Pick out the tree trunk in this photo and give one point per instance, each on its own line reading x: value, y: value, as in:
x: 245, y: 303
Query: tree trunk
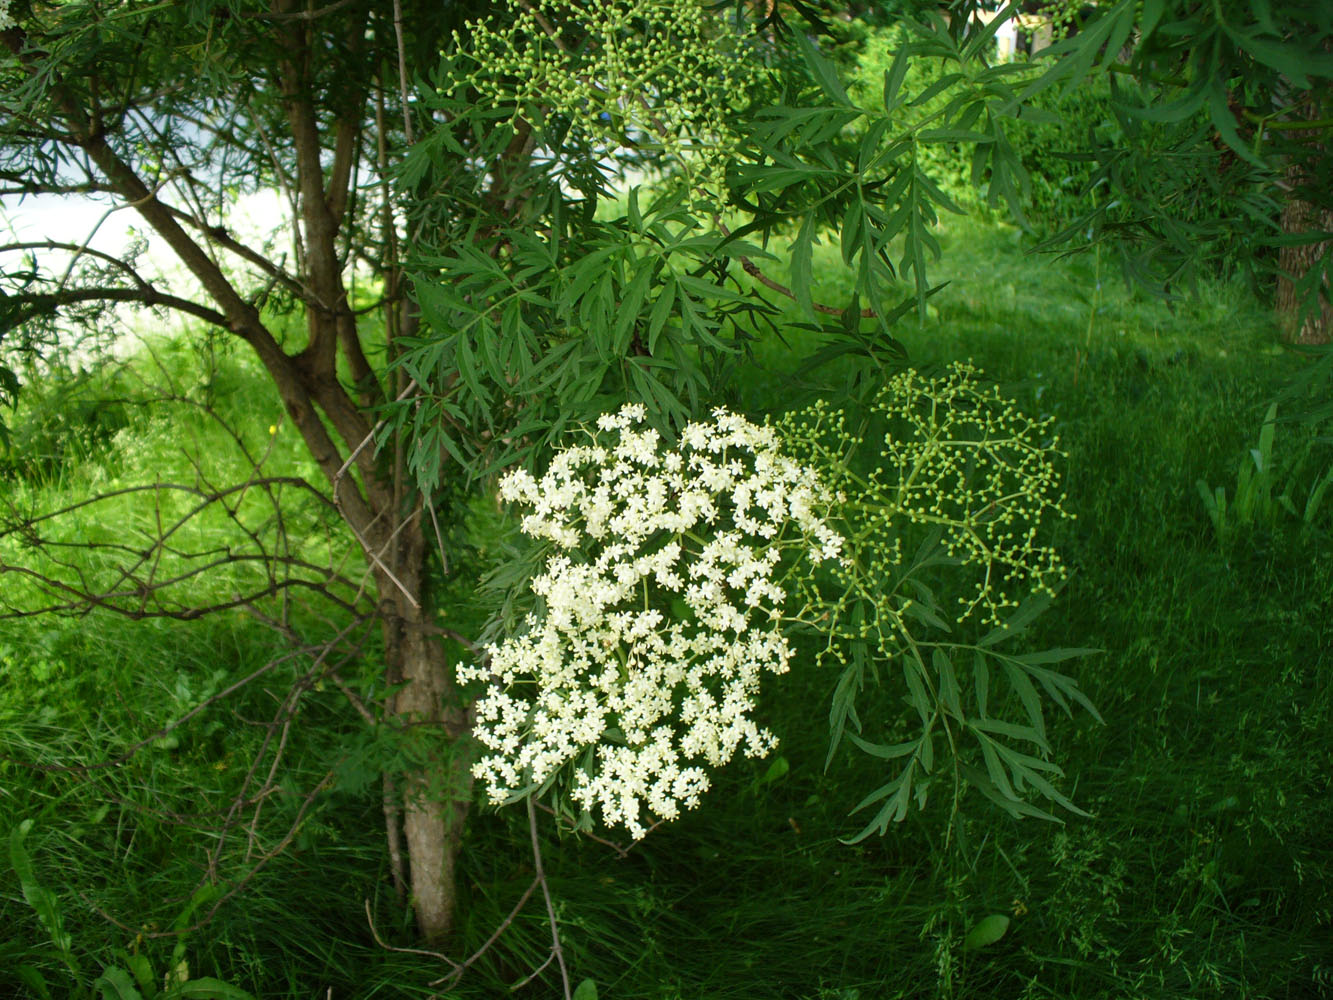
x: 1298, y: 325
x: 436, y: 793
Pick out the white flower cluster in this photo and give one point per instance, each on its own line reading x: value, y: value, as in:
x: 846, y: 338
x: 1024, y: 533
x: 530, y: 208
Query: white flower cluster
x: 661, y: 611
x: 6, y: 19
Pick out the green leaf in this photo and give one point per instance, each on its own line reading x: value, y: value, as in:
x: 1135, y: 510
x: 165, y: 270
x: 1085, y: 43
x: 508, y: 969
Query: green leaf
x: 776, y: 772
x: 209, y: 989
x: 707, y: 290
x: 940, y: 85
x: 1057, y: 655
x: 204, y: 895
x: 1316, y: 497
x: 635, y: 217
x: 994, y: 768
x: 842, y: 708
x: 802, y: 250
x: 1024, y: 616
x: 913, y: 669
x: 1028, y: 767
x: 1121, y: 26
x: 987, y: 931
x: 1292, y: 60
x: 629, y: 308
x: 1219, y: 109
x: 926, y: 612
x: 884, y: 751
x: 852, y: 244
x: 1152, y: 13
x: 586, y: 990
x: 1027, y: 694
x: 35, y: 981
x: 898, y: 793
x: 41, y: 899
x: 115, y: 984
x: 1016, y: 732
x: 893, y: 78
x: 1015, y: 808
x: 823, y: 71
x: 1190, y: 101
x: 661, y: 312
x: 143, y: 973
x: 949, y: 691
x: 1060, y: 686
x: 978, y: 40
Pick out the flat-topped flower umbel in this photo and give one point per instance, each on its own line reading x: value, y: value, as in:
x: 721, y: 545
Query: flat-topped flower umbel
x: 663, y: 605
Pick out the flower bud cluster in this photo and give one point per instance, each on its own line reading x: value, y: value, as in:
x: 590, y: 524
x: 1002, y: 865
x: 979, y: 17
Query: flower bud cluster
x: 665, y: 73
x: 662, y: 604
x: 956, y: 458
x: 966, y: 459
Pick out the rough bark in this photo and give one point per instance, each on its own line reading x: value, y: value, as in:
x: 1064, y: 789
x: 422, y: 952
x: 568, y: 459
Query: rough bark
x: 1298, y: 323
x: 437, y: 793
x: 1299, y: 326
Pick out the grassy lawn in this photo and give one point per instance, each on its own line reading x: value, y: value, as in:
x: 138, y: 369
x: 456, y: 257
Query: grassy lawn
x: 1206, y: 869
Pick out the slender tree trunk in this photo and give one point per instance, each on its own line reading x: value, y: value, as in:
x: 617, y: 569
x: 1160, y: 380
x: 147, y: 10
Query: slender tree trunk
x: 436, y: 794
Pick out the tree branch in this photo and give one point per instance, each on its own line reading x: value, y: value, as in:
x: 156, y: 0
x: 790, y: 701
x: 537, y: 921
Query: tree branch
x: 79, y: 249
x: 40, y: 303
x: 310, y: 14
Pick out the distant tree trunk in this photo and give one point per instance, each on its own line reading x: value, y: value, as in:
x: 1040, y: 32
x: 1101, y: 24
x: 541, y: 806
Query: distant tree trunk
x: 1299, y: 325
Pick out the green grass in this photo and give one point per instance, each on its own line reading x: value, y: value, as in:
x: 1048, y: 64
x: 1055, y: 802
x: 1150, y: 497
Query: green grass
x: 1205, y: 870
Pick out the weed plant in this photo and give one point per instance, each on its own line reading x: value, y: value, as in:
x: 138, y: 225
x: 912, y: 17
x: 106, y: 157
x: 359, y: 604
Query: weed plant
x: 1205, y: 870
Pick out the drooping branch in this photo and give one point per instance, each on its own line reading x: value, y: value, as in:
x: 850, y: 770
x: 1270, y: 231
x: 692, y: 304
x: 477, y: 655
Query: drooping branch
x: 34, y: 304
x: 36, y: 187
x: 79, y: 249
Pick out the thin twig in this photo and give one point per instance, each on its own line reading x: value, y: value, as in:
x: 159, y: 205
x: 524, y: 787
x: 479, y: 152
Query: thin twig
x: 621, y: 851
x: 754, y: 271
x: 342, y: 470
x: 364, y: 542
x: 533, y: 974
x: 239, y: 884
x: 402, y: 71
x: 495, y: 936
x: 556, y: 950
x: 406, y: 951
